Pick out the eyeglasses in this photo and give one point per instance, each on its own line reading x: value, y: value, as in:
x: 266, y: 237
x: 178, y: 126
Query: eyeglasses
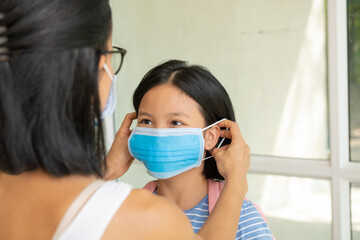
x: 117, y: 58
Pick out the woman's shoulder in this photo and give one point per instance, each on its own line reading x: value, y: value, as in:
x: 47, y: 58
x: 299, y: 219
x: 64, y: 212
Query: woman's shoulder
x: 144, y: 214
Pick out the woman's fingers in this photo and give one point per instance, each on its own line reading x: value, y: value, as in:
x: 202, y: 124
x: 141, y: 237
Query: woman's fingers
x: 119, y: 158
x: 225, y: 147
x: 216, y: 150
x: 233, y: 128
x: 232, y: 160
x: 232, y: 132
x: 225, y: 133
x: 128, y: 120
x: 126, y: 124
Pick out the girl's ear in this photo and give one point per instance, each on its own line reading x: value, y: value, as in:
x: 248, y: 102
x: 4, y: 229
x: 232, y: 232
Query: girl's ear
x: 211, y: 137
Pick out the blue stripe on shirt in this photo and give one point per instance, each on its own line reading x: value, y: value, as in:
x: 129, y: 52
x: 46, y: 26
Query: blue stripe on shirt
x: 251, y: 223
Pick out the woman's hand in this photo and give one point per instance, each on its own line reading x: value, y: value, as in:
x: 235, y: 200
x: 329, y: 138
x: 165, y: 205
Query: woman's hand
x: 232, y: 161
x: 119, y: 158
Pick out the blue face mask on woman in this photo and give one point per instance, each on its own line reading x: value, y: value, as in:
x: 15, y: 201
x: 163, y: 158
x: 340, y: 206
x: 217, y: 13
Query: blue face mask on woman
x: 111, y: 101
x: 170, y: 151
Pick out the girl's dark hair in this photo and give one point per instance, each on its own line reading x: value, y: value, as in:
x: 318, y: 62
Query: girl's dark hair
x: 49, y: 56
x: 199, y: 84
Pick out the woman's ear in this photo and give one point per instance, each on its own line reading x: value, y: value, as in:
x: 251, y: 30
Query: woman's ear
x: 103, y: 85
x: 102, y: 61
x: 211, y: 137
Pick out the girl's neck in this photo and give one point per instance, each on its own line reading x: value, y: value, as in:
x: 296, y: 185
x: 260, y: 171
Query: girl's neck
x: 186, y: 189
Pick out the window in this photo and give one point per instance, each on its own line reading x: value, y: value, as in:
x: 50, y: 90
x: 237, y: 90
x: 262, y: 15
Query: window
x: 354, y: 76
x: 303, y: 205
x: 355, y: 211
x: 353, y: 18
x: 292, y: 70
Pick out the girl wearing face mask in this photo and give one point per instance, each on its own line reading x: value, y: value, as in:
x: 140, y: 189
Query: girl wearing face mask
x: 181, y: 131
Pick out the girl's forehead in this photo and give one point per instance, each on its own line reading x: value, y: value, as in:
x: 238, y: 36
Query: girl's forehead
x: 170, y: 99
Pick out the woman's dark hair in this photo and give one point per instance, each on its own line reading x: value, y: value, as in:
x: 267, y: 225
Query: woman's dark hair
x: 49, y: 56
x: 199, y: 84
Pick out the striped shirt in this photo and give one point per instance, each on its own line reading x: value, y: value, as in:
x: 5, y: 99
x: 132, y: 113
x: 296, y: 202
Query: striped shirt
x: 251, y: 223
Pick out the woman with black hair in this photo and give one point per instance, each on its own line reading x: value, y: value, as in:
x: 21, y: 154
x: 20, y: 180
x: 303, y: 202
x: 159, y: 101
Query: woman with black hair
x: 180, y: 109
x: 56, y: 84
x: 55, y: 79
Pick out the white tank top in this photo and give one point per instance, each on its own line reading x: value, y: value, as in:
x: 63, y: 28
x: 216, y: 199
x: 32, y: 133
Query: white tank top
x: 92, y: 211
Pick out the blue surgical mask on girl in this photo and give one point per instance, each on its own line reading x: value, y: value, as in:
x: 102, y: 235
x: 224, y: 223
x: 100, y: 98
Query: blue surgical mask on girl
x: 111, y: 101
x: 170, y: 151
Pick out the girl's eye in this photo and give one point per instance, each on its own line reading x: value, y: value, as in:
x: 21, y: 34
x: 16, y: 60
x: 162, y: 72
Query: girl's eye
x: 145, y: 121
x: 176, y: 123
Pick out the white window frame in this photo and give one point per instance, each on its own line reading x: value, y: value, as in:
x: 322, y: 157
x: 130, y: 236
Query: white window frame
x: 339, y: 170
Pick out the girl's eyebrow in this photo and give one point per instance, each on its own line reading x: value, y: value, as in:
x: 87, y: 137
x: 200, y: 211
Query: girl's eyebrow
x: 144, y: 113
x: 175, y: 114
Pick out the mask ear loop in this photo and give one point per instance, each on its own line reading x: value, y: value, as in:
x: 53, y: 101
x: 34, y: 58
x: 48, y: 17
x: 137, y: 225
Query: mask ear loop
x: 215, y: 123
x: 222, y: 141
x: 107, y: 70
